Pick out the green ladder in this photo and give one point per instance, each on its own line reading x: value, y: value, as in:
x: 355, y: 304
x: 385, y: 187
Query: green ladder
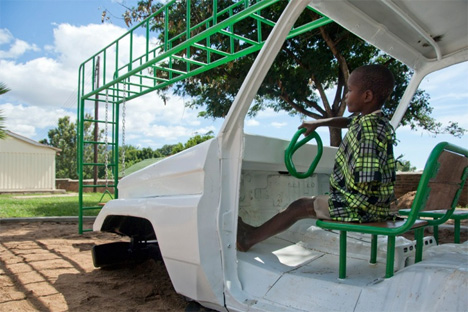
x: 142, y: 61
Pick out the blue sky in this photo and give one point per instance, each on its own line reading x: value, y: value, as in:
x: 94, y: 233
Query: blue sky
x: 42, y: 43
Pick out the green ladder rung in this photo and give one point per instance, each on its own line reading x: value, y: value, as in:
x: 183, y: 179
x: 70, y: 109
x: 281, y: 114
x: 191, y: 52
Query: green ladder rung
x: 99, y: 185
x: 96, y: 164
x: 99, y: 121
x: 99, y: 143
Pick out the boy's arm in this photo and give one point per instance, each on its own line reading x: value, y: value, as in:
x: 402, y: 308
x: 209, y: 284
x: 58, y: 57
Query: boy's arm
x: 335, y: 122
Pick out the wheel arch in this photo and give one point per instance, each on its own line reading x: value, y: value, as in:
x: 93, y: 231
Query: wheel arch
x: 134, y: 227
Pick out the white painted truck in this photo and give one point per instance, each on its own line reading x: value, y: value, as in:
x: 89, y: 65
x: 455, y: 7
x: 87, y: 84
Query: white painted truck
x: 190, y: 202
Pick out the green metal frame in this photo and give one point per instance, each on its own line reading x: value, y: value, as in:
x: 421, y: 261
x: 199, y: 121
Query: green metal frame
x: 422, y: 195
x: 158, y: 67
x: 456, y: 216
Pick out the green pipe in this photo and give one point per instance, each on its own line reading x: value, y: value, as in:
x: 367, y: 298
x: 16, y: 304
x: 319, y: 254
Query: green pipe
x: 239, y: 37
x: 166, y: 28
x: 215, y: 12
x: 80, y: 173
x: 373, y: 258
x: 390, y: 256
x: 187, y: 20
x: 147, y: 38
x: 239, y: 16
x: 342, y: 264
x: 231, y: 39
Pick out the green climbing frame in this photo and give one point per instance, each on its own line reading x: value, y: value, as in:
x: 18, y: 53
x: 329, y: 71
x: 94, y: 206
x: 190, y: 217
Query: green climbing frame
x: 142, y: 61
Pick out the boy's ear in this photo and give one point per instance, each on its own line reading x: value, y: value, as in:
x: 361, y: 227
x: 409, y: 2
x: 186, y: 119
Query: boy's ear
x: 368, y: 96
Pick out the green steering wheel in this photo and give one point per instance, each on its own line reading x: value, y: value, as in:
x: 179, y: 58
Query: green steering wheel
x: 294, y: 146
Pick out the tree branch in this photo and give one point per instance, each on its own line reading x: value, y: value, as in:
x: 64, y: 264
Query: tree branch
x: 300, y: 109
x: 323, y: 96
x: 343, y: 78
x: 315, y: 106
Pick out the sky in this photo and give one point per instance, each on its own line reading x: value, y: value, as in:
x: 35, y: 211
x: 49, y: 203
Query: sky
x: 43, y: 42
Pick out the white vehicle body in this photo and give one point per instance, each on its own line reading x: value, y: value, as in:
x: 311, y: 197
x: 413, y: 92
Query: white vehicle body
x: 192, y: 200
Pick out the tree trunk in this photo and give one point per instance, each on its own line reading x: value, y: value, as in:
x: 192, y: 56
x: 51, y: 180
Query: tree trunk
x: 335, y: 136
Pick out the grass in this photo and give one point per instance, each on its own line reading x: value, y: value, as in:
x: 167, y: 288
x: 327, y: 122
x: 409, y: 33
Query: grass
x: 142, y: 164
x: 35, y: 205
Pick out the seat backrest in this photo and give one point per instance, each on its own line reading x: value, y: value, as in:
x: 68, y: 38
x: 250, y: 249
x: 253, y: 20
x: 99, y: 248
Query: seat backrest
x: 442, y: 181
x: 445, y: 185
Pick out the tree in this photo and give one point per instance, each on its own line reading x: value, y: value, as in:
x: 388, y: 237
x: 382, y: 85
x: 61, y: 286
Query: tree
x: 404, y: 165
x: 307, y: 66
x: 64, y: 137
x: 3, y: 90
x: 197, y: 139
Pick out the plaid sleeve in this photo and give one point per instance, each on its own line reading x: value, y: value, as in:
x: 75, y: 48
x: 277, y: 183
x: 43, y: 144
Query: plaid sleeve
x: 372, y: 153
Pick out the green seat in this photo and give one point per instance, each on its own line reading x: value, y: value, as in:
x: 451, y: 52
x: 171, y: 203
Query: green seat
x: 457, y: 216
x: 440, y: 187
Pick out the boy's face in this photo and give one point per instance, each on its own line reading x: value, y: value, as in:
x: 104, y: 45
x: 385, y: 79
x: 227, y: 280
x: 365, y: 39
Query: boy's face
x: 358, y: 100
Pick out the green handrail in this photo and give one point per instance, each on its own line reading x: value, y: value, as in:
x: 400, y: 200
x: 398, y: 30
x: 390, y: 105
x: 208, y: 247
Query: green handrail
x: 294, y: 146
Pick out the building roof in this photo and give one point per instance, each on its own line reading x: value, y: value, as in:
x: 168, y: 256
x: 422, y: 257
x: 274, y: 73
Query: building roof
x: 29, y: 141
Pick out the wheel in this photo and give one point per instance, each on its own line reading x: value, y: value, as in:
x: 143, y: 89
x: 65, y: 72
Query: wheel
x: 110, y: 254
x: 118, y: 253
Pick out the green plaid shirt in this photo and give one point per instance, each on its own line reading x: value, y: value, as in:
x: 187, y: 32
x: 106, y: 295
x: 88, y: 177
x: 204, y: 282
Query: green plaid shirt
x: 361, y: 186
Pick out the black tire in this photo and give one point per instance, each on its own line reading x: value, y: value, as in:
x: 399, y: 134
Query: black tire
x: 118, y: 253
x: 111, y: 254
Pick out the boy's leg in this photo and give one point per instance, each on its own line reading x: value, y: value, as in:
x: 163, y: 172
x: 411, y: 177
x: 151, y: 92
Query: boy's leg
x: 247, y: 235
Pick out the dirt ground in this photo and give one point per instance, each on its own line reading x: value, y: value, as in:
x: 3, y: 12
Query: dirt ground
x: 47, y: 266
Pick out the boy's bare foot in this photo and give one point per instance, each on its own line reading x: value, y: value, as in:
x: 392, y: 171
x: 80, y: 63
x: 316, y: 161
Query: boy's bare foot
x: 244, y: 231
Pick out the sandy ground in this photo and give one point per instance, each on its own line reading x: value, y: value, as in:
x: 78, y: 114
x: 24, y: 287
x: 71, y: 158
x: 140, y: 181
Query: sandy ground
x: 47, y: 266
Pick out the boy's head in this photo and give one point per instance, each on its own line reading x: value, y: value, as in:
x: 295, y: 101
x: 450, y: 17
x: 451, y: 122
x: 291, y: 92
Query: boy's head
x: 375, y: 78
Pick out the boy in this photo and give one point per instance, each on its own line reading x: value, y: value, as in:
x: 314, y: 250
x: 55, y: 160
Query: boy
x: 361, y: 185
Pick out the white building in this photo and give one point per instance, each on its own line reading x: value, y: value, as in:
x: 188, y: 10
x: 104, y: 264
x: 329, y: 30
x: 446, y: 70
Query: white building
x: 26, y: 165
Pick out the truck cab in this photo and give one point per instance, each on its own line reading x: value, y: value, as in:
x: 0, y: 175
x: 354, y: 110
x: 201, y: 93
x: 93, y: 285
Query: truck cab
x: 190, y: 203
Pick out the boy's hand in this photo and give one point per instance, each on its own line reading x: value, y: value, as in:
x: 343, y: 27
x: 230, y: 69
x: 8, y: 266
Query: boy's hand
x: 310, y: 126
x: 335, y: 122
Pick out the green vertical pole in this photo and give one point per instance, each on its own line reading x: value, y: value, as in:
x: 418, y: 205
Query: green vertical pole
x: 390, y: 256
x: 259, y: 29
x: 215, y: 12
x: 208, y: 44
x: 373, y: 258
x: 457, y: 231
x: 166, y: 28
x: 436, y: 233
x: 231, y: 29
x: 147, y: 39
x: 116, y: 112
x: 342, y: 269
x: 104, y: 67
x: 93, y: 77
x: 419, y: 234
x: 170, y: 62
x: 80, y: 169
x: 187, y: 20
x: 130, y: 62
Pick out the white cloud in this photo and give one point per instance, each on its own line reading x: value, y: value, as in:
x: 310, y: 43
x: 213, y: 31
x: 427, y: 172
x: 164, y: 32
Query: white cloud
x: 279, y: 124
x: 16, y: 48
x: 5, y: 36
x: 252, y: 123
x: 27, y: 120
x: 45, y: 89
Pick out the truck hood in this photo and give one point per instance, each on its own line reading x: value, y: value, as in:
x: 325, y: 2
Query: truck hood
x: 180, y: 174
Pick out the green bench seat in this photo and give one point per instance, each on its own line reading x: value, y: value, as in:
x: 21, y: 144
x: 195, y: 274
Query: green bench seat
x: 440, y: 187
